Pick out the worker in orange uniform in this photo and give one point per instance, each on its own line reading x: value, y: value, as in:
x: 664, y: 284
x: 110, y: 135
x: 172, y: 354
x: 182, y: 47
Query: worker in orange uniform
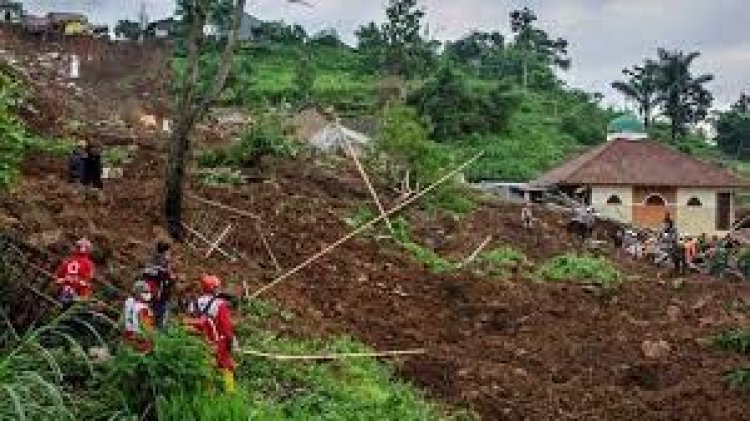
x: 213, y: 318
x: 139, y: 318
x: 76, y: 274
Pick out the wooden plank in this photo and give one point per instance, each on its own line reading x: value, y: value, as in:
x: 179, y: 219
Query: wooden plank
x: 366, y: 179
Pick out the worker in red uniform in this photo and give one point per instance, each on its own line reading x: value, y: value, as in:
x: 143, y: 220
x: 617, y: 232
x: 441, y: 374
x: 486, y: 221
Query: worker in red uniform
x: 139, y: 318
x: 76, y: 274
x: 213, y: 318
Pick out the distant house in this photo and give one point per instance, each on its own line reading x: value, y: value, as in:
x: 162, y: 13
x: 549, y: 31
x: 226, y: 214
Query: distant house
x: 11, y: 12
x: 68, y: 23
x: 37, y: 25
x: 639, y: 181
x: 100, y: 31
x: 247, y: 32
x: 162, y: 29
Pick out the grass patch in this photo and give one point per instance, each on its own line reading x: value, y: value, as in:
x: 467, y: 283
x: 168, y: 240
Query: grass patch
x: 584, y: 269
x: 502, y: 261
x: 737, y: 340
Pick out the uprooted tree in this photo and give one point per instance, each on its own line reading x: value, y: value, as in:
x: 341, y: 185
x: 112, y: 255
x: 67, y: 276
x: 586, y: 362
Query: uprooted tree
x: 192, y: 102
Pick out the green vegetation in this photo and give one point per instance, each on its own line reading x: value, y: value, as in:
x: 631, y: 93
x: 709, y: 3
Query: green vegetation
x: 116, y: 156
x: 736, y: 340
x: 15, y: 139
x: 221, y: 177
x: 585, y: 269
x: 501, y: 261
x: 265, y: 138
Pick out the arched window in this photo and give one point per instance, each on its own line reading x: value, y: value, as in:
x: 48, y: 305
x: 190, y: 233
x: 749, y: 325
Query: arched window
x: 614, y: 200
x: 655, y: 200
x: 694, y: 201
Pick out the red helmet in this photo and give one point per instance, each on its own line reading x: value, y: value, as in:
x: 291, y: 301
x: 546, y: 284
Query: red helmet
x: 83, y: 246
x: 210, y: 283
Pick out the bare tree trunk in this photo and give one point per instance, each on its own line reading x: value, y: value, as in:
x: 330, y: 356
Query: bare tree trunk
x: 190, y: 110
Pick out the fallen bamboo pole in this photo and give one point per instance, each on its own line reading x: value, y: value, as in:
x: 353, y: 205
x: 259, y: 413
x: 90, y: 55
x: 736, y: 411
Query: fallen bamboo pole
x: 208, y: 242
x: 328, y: 357
x: 223, y: 206
x: 364, y: 227
x: 219, y: 240
x: 366, y: 179
x: 267, y: 246
x: 476, y: 252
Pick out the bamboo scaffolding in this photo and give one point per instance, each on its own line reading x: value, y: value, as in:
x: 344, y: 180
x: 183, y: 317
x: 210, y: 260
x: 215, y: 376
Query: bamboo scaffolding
x: 207, y: 241
x: 219, y: 240
x: 364, y: 227
x: 476, y: 251
x: 223, y: 206
x: 267, y: 246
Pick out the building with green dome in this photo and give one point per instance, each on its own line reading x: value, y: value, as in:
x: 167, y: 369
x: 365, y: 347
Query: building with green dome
x: 640, y: 182
x: 626, y: 126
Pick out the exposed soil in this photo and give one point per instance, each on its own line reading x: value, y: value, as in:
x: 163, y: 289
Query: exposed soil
x: 511, y: 349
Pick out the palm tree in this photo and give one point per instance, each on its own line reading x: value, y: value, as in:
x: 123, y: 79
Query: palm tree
x: 683, y: 96
x: 641, y: 88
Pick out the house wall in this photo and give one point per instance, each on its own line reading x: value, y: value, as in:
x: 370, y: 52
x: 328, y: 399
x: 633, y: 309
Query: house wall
x: 695, y: 220
x: 623, y: 212
x: 648, y: 216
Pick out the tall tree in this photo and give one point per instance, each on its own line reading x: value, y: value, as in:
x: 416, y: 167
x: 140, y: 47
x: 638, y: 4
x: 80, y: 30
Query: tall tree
x: 127, y: 29
x: 397, y: 46
x: 535, y: 44
x: 191, y: 104
x: 477, y: 49
x: 733, y: 129
x: 641, y: 87
x: 682, y: 95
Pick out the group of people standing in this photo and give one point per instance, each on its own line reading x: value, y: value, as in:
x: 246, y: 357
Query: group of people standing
x: 665, y: 246
x: 146, y: 310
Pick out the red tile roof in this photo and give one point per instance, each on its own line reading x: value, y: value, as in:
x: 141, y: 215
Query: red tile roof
x: 639, y: 162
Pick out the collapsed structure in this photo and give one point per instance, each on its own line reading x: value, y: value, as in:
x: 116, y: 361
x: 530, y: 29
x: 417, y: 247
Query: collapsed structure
x: 639, y: 181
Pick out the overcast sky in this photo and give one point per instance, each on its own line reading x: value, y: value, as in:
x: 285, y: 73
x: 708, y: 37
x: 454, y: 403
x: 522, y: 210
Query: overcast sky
x: 605, y: 35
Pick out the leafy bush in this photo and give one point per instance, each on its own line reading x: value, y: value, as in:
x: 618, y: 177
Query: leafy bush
x: 739, y: 378
x: 361, y: 215
x: 571, y: 267
x: 179, y: 364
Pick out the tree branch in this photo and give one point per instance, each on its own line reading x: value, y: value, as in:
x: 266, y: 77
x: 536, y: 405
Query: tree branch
x: 226, y: 63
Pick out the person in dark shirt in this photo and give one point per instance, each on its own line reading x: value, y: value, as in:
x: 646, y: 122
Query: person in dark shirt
x: 77, y: 164
x: 93, y: 167
x: 160, y: 276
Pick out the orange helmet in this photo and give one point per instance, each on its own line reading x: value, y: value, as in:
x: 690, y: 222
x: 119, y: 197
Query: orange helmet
x: 210, y: 283
x: 83, y: 246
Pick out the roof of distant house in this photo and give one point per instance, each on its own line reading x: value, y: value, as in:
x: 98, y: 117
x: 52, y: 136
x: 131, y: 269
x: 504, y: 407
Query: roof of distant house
x: 63, y: 17
x: 639, y: 162
x: 32, y: 23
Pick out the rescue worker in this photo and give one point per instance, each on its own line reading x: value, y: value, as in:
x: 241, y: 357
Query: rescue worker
x: 76, y: 163
x: 691, y: 252
x: 213, y: 318
x: 527, y: 218
x: 76, y: 274
x: 161, y: 278
x: 139, y: 319
x: 578, y: 221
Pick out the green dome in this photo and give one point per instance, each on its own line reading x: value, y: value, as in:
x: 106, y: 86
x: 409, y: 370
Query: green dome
x: 626, y: 123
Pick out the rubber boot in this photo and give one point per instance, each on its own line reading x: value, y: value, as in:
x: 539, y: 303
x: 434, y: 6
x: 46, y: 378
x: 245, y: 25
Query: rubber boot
x: 229, y: 383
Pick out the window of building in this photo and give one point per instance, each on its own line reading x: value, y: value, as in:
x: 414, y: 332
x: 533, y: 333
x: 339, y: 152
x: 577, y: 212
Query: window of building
x: 655, y: 200
x: 694, y: 201
x: 614, y: 200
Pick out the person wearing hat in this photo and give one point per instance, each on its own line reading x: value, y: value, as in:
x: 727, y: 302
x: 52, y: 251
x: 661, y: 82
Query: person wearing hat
x: 212, y: 317
x: 75, y: 274
x: 138, y: 318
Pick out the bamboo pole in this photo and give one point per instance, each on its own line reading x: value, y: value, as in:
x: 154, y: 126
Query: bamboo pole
x: 328, y: 357
x: 366, y: 179
x: 218, y: 241
x: 204, y: 239
x: 364, y: 227
x: 476, y: 251
x: 223, y: 206
x: 267, y: 246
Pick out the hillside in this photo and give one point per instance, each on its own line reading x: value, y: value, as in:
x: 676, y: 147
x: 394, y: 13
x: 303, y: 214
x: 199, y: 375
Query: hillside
x: 507, y: 346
